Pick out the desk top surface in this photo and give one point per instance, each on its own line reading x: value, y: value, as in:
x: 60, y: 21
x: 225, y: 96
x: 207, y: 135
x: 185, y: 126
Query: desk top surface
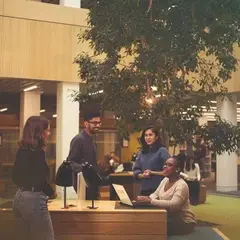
x: 103, y: 206
x: 82, y: 206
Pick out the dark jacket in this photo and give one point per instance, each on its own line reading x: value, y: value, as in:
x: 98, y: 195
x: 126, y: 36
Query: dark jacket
x: 82, y: 149
x: 31, y: 170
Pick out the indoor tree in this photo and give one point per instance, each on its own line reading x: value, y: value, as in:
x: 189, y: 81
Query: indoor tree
x: 161, y: 61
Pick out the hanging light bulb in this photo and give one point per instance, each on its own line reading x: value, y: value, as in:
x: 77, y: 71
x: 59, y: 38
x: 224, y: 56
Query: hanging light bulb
x: 149, y: 101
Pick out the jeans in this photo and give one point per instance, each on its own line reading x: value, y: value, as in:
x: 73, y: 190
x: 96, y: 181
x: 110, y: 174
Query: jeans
x: 31, y: 208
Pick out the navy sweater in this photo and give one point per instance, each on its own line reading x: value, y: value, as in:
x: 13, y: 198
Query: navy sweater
x: 152, y: 160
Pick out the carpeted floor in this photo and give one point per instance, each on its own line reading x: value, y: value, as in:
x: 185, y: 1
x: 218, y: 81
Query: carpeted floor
x: 200, y: 233
x: 222, y: 211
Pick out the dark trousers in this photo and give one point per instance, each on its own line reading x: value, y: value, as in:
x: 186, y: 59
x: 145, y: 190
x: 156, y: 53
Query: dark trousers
x: 147, y: 192
x: 194, y: 190
x: 176, y: 226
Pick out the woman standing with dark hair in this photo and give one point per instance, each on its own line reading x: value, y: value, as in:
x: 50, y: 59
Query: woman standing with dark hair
x: 149, y: 164
x: 30, y: 174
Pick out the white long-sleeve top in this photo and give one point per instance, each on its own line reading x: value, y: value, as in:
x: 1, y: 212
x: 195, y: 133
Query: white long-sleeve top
x: 175, y: 199
x: 193, y: 174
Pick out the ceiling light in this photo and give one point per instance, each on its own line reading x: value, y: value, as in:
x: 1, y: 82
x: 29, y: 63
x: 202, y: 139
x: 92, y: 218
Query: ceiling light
x: 30, y: 88
x: 238, y: 103
x: 208, y: 114
x: 3, y: 110
x: 54, y: 115
x: 42, y: 110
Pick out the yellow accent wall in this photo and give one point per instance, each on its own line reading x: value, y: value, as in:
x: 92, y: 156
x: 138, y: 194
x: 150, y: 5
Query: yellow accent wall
x: 126, y: 153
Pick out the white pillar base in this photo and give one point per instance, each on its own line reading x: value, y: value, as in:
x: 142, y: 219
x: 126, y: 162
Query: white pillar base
x: 227, y: 172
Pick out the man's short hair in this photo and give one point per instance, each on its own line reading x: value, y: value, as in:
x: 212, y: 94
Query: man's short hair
x: 90, y: 115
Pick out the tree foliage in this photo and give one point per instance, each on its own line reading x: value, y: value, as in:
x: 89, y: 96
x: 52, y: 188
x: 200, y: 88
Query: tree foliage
x: 164, y: 60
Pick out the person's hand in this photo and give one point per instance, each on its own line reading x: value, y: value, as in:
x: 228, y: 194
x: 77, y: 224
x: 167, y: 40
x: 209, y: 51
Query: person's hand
x: 146, y: 174
x: 144, y: 199
x: 53, y: 196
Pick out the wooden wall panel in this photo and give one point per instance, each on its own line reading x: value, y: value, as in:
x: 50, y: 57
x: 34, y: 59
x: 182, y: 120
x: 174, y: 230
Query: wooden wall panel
x: 38, y: 50
x: 1, y: 7
x: 34, y: 47
x: 45, y: 12
x: 119, y: 217
x: 8, y: 120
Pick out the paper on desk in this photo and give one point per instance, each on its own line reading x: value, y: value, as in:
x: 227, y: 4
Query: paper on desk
x: 120, y: 168
x: 81, y: 187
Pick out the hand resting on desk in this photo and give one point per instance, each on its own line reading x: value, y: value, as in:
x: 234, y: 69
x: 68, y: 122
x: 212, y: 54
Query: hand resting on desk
x: 144, y: 199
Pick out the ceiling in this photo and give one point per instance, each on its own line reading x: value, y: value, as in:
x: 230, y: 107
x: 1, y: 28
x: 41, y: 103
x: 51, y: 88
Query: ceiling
x: 18, y: 85
x: 10, y: 94
x: 10, y: 90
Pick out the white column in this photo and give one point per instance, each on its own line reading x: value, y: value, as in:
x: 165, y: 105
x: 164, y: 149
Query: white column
x: 29, y: 106
x: 71, y: 3
x: 227, y: 164
x: 207, y: 167
x: 67, y: 126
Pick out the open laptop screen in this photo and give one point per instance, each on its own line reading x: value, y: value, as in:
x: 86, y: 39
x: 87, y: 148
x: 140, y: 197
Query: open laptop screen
x: 122, y: 194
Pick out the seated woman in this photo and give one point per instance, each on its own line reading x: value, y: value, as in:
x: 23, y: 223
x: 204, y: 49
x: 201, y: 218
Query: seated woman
x: 191, y: 174
x: 173, y: 195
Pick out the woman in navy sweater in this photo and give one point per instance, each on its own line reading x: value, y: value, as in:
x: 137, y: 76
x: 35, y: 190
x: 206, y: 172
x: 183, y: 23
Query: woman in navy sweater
x: 149, y: 164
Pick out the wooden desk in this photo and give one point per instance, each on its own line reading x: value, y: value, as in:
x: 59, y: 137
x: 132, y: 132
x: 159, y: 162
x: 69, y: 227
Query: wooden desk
x: 103, y: 223
x: 131, y: 186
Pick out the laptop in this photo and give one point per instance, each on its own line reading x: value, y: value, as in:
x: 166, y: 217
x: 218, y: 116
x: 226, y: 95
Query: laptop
x: 124, y: 198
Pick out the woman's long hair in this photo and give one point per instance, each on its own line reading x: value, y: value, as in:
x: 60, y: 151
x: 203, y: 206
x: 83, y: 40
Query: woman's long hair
x: 32, y: 133
x: 188, y: 167
x: 155, y: 146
